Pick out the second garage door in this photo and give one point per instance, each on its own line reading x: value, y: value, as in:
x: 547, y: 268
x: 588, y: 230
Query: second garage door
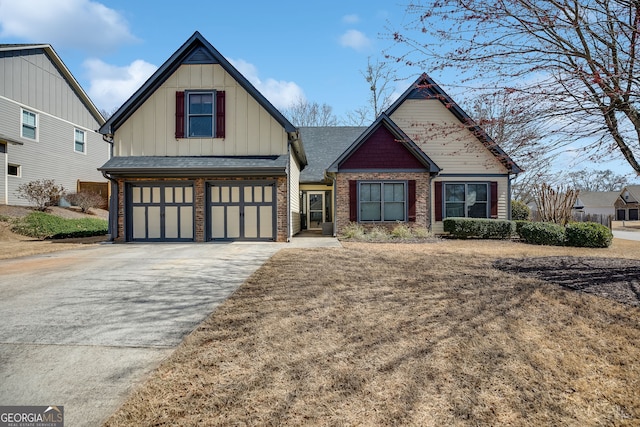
x: 241, y: 210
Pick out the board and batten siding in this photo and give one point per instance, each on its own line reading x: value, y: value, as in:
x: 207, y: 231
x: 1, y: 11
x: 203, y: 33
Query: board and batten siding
x: 29, y: 77
x: 52, y: 155
x: 250, y: 129
x: 435, y: 129
x: 294, y: 194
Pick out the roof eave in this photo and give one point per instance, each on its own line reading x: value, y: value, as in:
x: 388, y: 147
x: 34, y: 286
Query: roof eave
x: 193, y: 172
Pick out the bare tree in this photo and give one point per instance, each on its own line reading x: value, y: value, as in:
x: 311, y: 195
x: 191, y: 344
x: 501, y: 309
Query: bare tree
x: 597, y: 180
x: 304, y: 113
x: 513, y: 126
x: 555, y: 204
x: 578, y: 59
x: 380, y: 77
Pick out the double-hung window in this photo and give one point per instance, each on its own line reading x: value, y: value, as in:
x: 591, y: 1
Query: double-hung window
x: 382, y: 201
x: 469, y: 200
x: 80, y: 140
x: 29, y: 124
x: 200, y: 114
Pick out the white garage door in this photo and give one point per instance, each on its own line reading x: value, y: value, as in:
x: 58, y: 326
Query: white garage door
x: 241, y: 211
x: 160, y: 212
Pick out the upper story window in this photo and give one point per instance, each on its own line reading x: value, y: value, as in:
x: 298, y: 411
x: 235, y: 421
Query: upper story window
x: 382, y: 201
x: 13, y: 170
x: 80, y: 139
x: 469, y: 200
x: 29, y: 124
x: 200, y: 114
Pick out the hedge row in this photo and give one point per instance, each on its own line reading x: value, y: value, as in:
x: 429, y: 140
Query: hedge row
x: 578, y: 234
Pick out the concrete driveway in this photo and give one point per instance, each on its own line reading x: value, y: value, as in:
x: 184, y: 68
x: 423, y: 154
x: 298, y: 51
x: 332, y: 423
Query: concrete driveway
x: 80, y: 328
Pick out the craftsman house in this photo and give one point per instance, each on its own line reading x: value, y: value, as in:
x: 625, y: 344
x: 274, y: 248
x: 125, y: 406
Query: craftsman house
x: 200, y: 155
x: 421, y: 161
x: 47, y: 123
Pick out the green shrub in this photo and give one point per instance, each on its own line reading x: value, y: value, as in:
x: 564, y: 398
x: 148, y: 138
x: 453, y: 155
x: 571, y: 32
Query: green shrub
x: 519, y: 211
x: 543, y: 233
x: 519, y: 225
x: 45, y: 226
x: 588, y: 235
x: 479, y: 227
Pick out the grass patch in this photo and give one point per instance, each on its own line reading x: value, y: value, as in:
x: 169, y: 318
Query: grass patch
x: 395, y: 334
x: 45, y: 226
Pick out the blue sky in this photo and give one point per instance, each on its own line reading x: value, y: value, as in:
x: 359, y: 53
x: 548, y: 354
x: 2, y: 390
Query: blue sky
x: 287, y: 49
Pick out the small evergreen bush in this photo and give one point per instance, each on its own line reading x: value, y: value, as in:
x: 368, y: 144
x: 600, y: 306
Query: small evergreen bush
x: 543, y: 233
x: 519, y: 211
x: 479, y: 227
x: 588, y: 235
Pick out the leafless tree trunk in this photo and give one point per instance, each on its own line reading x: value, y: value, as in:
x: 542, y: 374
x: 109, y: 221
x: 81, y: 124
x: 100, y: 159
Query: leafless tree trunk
x: 555, y: 205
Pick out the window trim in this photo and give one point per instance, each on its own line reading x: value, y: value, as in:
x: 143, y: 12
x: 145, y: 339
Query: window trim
x: 18, y: 170
x: 188, y: 115
x: 466, y: 208
x: 84, y: 141
x: 405, y: 200
x: 36, y: 119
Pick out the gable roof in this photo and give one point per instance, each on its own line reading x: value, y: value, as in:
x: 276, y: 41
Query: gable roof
x: 634, y: 191
x: 426, y: 88
x: 71, y: 81
x: 384, y: 120
x: 196, y: 50
x: 597, y: 198
x: 323, y: 145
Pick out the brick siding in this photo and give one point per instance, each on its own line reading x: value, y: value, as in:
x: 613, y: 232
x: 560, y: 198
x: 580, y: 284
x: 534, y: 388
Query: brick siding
x: 423, y: 202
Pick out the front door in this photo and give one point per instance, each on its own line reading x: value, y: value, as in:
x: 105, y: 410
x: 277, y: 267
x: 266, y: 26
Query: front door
x: 315, y: 210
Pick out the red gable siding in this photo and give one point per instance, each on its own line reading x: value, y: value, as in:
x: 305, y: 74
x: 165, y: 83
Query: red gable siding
x: 381, y: 151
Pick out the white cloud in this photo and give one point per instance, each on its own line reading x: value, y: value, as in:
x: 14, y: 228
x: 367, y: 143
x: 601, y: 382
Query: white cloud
x: 355, y: 40
x: 280, y: 93
x: 110, y: 86
x: 80, y: 24
x: 351, y: 19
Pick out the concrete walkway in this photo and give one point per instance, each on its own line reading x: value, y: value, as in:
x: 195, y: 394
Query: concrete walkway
x: 81, y: 328
x: 626, y: 235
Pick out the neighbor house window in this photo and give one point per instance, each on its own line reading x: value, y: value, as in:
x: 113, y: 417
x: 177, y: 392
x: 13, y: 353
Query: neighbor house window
x: 466, y: 200
x: 80, y: 140
x: 29, y: 124
x: 382, y: 201
x: 13, y: 170
x: 200, y: 114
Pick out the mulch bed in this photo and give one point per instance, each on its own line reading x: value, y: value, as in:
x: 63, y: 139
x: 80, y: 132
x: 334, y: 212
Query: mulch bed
x: 614, y: 278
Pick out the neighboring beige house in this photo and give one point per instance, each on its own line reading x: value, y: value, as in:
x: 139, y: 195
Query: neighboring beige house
x: 200, y: 155
x: 627, y: 203
x: 48, y: 124
x: 596, y: 203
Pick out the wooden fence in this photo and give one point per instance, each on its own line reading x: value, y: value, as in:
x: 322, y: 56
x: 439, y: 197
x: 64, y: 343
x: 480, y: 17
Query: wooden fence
x: 101, y: 188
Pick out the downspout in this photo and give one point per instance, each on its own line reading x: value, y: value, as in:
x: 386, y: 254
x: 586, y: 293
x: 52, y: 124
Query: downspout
x: 288, y: 175
x: 113, y: 196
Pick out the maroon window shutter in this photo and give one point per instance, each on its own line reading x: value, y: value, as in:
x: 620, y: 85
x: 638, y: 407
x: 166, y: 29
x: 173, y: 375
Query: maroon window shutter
x: 179, y: 114
x: 412, y: 200
x: 220, y: 112
x: 494, y: 199
x: 353, y: 200
x: 438, y: 207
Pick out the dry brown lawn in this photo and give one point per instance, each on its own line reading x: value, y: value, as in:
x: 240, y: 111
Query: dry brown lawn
x: 403, y: 334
